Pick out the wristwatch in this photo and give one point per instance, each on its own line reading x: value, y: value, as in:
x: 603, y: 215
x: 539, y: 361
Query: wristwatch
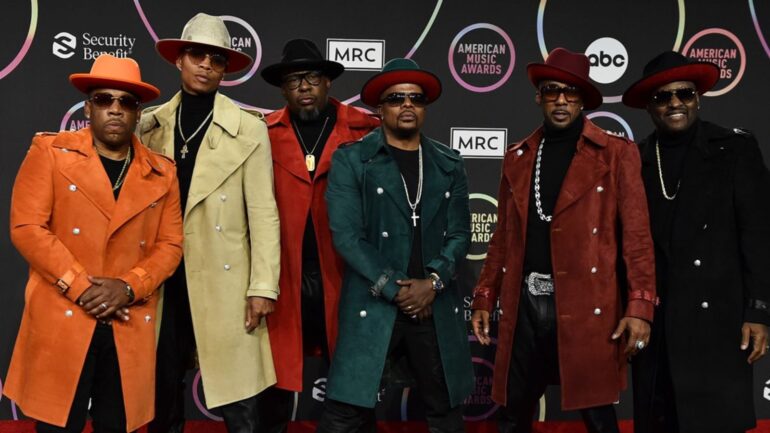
x: 130, y: 294
x: 438, y: 285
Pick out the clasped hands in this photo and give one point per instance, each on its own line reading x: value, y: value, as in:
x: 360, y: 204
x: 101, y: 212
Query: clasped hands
x: 105, y: 299
x: 415, y: 297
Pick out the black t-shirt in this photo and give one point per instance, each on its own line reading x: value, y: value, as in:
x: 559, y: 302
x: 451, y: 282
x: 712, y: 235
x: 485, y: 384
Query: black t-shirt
x: 409, y: 165
x: 559, y: 148
x: 114, y: 169
x: 310, y: 130
x: 195, y: 109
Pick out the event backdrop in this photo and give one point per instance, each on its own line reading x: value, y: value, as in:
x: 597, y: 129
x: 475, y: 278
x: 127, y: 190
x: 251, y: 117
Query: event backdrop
x: 479, y: 49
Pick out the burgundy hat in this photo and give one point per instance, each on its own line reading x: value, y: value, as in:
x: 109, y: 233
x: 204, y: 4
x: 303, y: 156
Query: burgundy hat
x: 669, y: 67
x: 399, y: 71
x: 567, y: 67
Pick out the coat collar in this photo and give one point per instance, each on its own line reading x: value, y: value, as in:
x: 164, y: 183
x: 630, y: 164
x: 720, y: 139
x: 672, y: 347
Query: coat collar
x: 705, y: 132
x: 226, y: 116
x: 591, y: 134
x: 374, y: 143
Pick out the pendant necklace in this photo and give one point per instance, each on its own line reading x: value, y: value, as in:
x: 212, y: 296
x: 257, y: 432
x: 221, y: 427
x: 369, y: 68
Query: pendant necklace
x: 309, y: 156
x: 538, y: 204
x: 660, y: 175
x: 185, y: 150
x: 413, y: 206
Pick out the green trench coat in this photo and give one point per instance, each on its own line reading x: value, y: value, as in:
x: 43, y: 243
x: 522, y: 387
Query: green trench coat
x: 372, y: 229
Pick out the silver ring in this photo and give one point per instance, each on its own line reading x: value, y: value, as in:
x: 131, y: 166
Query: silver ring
x: 408, y: 307
x: 414, y: 316
x: 639, y: 344
x: 103, y: 305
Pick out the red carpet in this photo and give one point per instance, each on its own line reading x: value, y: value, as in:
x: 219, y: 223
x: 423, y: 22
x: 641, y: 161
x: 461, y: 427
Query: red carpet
x: 383, y: 427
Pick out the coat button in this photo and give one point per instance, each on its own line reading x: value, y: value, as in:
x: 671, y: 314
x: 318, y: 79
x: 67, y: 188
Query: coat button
x: 380, y: 190
x: 153, y: 204
x: 457, y: 310
x: 696, y: 262
x: 362, y: 313
x: 594, y: 231
x: 501, y: 311
x: 218, y: 228
x: 447, y: 194
x: 504, y: 269
x: 65, y: 150
x: 68, y: 313
x: 385, y: 234
x: 599, y: 188
x: 73, y: 187
x: 705, y: 226
x: 223, y: 197
x: 227, y: 267
x: 593, y: 270
x: 76, y: 231
x: 142, y: 243
x: 597, y: 311
x: 147, y: 318
x: 704, y: 305
x: 519, y: 152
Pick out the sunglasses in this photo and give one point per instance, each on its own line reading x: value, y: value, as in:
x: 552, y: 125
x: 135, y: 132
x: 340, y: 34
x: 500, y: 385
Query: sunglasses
x: 397, y: 99
x: 664, y: 97
x: 197, y: 55
x: 550, y: 93
x: 105, y: 100
x: 293, y: 81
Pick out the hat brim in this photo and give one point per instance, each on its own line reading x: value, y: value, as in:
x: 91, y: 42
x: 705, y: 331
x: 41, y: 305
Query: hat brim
x: 274, y: 74
x: 169, y: 49
x: 537, y: 72
x: 87, y: 82
x: 704, y: 75
x: 372, y: 90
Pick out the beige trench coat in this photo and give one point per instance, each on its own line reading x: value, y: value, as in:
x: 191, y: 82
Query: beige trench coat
x: 232, y: 244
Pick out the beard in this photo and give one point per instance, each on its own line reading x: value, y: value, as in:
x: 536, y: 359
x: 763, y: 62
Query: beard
x: 310, y: 114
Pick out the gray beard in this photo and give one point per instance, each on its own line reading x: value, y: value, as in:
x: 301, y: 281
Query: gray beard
x: 307, y: 115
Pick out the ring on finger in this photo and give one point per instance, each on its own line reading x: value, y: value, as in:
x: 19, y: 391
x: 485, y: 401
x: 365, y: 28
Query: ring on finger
x: 103, y: 306
x: 640, y: 344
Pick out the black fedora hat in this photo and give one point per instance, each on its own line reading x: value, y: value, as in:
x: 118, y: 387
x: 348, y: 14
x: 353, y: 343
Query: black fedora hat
x: 666, y: 68
x: 301, y: 54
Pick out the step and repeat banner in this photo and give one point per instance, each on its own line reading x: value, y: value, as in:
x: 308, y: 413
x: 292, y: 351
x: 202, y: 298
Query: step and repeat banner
x: 479, y: 49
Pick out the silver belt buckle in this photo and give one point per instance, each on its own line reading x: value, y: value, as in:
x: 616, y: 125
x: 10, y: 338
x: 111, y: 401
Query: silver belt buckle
x: 540, y: 284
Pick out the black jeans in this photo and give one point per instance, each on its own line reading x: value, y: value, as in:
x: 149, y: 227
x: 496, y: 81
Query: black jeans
x: 176, y: 345
x: 100, y: 382
x: 420, y: 345
x: 535, y: 364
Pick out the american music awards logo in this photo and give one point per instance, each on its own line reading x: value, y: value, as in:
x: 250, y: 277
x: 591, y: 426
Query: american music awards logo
x: 481, y: 57
x: 483, y: 224
x: 722, y: 48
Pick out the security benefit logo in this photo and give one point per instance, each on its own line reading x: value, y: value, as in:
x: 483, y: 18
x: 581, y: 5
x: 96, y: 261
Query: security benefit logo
x: 608, y: 58
x: 357, y: 54
x: 89, y: 46
x: 481, y: 57
x: 483, y: 224
x: 479, y: 142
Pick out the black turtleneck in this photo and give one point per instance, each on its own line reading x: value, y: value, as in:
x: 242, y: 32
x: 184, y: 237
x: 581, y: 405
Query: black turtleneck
x: 309, y: 132
x: 194, y: 111
x: 559, y: 148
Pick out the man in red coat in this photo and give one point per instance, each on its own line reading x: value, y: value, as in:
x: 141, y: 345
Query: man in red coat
x: 571, y: 203
x: 304, y: 135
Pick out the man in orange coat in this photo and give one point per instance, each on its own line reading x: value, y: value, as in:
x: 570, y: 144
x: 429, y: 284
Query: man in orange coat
x: 97, y: 217
x: 304, y: 135
x: 571, y: 205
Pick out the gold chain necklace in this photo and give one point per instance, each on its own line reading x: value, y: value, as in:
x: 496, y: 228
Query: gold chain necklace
x: 660, y: 175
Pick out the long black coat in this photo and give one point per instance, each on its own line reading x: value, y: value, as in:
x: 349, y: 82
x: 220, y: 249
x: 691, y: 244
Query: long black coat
x: 713, y: 271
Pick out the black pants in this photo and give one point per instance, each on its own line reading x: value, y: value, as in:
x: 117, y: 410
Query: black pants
x: 100, y: 382
x: 535, y: 364
x: 418, y: 342
x: 176, y: 345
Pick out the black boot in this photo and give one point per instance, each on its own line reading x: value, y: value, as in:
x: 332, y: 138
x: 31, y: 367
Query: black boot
x: 241, y: 416
x: 600, y: 419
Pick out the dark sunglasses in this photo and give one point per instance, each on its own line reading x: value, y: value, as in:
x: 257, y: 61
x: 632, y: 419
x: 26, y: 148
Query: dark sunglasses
x: 664, y: 97
x: 293, y: 81
x: 397, y: 99
x: 197, y: 55
x: 105, y: 100
x: 550, y: 93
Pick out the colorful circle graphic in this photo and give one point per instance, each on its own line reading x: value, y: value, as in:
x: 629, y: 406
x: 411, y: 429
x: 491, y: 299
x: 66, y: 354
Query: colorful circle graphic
x: 493, y: 201
x: 257, y: 56
x: 198, y: 403
x: 738, y: 44
x: 616, y: 118
x: 27, y: 42
x: 69, y: 113
x: 508, y: 72
x: 758, y: 28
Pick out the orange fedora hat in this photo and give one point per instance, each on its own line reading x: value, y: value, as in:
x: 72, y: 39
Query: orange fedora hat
x: 110, y: 72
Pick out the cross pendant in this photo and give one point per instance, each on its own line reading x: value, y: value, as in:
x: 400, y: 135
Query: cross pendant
x: 415, y: 217
x: 184, y: 151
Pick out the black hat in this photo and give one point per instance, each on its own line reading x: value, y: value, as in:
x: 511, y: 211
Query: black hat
x: 669, y: 67
x: 301, y: 54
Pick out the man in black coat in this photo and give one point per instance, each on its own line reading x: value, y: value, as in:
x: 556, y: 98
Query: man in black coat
x: 708, y: 192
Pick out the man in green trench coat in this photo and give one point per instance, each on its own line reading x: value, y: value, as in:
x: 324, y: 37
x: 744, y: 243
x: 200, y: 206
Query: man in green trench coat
x: 398, y: 211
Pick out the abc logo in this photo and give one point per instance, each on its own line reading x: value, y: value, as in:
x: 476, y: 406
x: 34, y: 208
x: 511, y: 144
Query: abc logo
x: 608, y: 58
x: 64, y: 45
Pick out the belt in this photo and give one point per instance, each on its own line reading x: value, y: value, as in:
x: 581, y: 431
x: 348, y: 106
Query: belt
x: 539, y: 284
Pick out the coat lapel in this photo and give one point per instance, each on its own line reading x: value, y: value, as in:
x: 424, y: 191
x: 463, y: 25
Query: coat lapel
x: 383, y: 170
x: 289, y: 155
x: 437, y: 168
x: 519, y: 171
x: 585, y: 170
x: 158, y: 125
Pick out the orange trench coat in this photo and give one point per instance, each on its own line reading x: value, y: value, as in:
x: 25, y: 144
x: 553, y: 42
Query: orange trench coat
x: 67, y: 225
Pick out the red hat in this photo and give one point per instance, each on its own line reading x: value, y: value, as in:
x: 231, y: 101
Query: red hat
x: 399, y: 71
x: 111, y: 72
x: 669, y: 67
x: 567, y: 67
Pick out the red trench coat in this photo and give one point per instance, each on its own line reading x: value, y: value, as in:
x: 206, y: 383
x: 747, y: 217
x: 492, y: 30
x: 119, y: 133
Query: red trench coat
x: 67, y: 225
x: 601, y: 204
x: 296, y: 194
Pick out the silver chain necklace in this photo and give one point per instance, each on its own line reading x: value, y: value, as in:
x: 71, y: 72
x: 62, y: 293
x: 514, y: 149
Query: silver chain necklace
x: 660, y: 175
x: 538, y: 203
x: 185, y: 150
x: 309, y: 155
x: 413, y: 206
